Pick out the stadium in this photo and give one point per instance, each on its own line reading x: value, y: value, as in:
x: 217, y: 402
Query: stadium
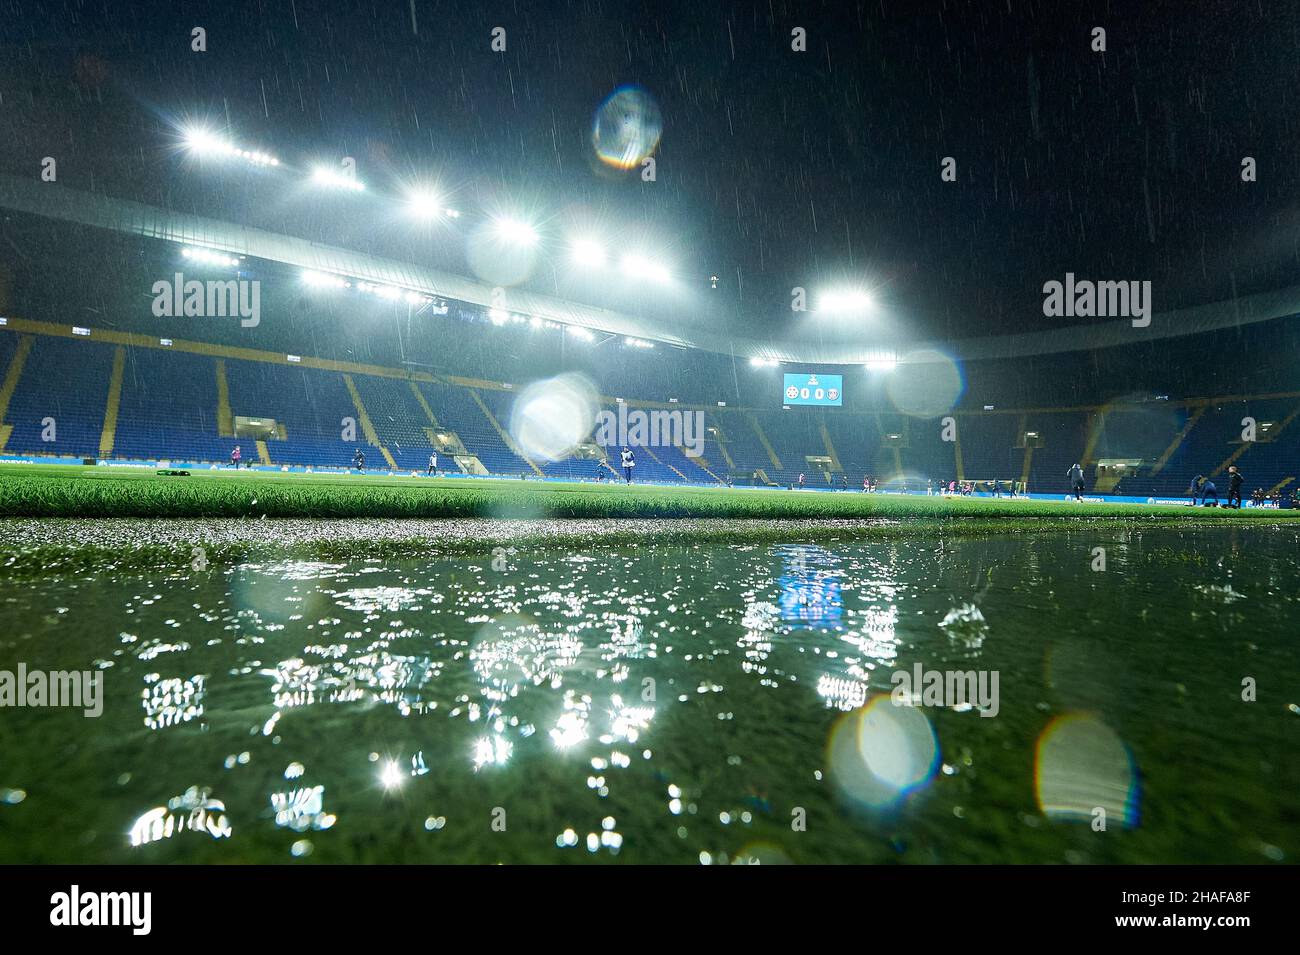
x: 903, y: 421
x: 387, y: 487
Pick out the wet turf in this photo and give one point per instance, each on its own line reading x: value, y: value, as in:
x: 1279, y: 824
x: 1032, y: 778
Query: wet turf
x: 56, y: 491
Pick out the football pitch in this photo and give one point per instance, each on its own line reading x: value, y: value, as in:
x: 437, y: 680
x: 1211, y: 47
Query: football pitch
x: 101, y: 492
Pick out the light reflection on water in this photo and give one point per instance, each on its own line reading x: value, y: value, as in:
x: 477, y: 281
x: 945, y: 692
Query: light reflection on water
x: 687, y: 703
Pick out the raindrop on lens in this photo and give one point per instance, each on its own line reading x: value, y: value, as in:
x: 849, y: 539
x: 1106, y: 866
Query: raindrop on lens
x: 627, y: 127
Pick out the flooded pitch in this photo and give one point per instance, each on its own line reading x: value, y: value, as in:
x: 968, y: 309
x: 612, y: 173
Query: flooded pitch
x: 843, y: 698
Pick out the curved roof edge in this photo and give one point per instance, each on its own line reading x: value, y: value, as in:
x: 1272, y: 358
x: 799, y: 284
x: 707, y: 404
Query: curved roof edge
x: 52, y: 201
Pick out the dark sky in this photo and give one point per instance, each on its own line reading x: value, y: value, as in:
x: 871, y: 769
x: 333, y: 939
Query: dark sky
x: 776, y: 169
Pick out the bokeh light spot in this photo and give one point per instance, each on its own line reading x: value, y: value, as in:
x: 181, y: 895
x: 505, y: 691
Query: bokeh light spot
x: 552, y: 417
x: 930, y: 385
x: 882, y: 752
x: 626, y: 128
x: 1081, y: 765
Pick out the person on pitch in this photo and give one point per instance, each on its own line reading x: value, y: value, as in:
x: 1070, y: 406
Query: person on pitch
x: 1075, y: 475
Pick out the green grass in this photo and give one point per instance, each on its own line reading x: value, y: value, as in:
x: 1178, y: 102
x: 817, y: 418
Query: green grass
x: 64, y: 491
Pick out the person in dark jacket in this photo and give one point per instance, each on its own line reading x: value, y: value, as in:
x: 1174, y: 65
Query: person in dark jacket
x: 1075, y: 476
x: 1205, y: 489
x: 1234, y: 487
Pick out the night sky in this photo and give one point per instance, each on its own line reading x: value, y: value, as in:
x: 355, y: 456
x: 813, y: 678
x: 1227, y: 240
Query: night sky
x: 775, y: 168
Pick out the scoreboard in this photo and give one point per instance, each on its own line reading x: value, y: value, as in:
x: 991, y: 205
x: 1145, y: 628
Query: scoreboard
x: 813, y: 390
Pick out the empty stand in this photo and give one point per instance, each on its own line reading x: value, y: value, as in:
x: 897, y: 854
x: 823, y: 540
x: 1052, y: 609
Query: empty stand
x: 128, y: 398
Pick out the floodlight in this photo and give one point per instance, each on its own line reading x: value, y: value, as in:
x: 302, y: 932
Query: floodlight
x: 203, y: 141
x: 209, y: 257
x: 424, y: 204
x: 845, y: 302
x: 322, y: 280
x: 512, y: 230
x: 586, y: 253
x: 324, y: 176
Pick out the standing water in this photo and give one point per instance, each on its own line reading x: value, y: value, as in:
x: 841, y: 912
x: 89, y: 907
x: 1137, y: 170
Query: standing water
x: 718, y: 701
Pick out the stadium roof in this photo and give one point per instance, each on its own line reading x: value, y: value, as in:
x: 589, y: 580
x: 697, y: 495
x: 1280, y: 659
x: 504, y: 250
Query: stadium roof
x: 60, y: 203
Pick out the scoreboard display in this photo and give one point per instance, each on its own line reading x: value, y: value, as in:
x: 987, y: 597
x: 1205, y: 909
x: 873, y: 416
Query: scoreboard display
x: 814, y: 390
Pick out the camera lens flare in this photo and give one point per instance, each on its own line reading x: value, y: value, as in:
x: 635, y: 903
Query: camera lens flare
x: 1083, y: 772
x: 882, y: 752
x: 502, y: 252
x: 552, y: 417
x: 931, y: 386
x: 627, y: 128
